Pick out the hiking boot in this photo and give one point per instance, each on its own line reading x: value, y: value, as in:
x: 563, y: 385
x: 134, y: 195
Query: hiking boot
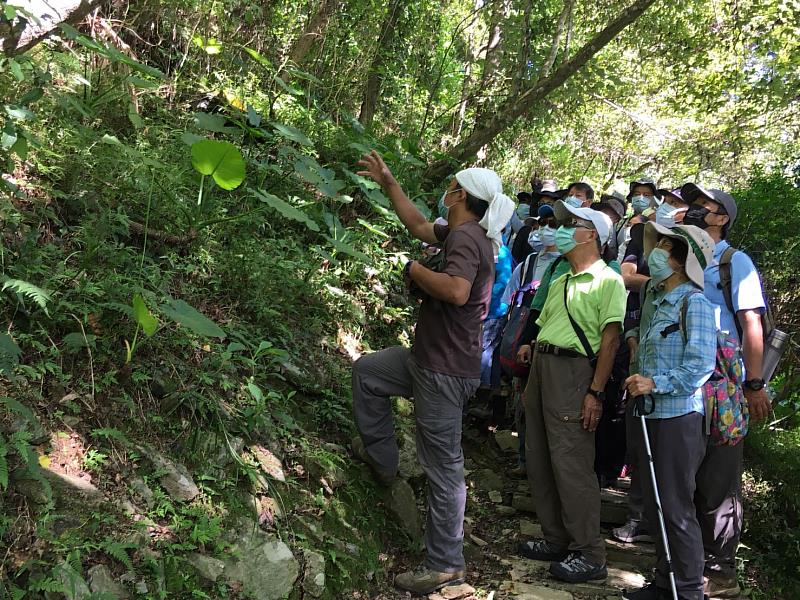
x: 542, y: 550
x: 648, y: 592
x: 631, y: 532
x: 576, y: 568
x: 360, y: 452
x: 719, y: 586
x: 424, y: 581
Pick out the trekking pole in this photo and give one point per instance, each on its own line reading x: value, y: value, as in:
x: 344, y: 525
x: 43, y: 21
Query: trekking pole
x: 639, y: 411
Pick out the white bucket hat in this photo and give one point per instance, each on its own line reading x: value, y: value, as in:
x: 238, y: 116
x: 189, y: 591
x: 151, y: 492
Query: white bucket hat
x: 601, y: 222
x: 701, y: 247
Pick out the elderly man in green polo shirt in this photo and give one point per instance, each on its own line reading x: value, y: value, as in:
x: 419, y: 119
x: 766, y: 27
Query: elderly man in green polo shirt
x: 572, y: 360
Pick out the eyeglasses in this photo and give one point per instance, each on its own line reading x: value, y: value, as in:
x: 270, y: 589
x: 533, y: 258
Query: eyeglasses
x: 574, y: 223
x: 548, y: 222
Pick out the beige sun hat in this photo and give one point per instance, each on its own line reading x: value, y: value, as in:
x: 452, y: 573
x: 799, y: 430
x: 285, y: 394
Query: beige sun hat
x: 701, y: 247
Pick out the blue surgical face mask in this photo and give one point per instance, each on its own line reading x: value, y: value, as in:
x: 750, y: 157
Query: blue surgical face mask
x: 665, y: 215
x: 573, y: 201
x: 658, y: 261
x: 443, y: 210
x: 548, y: 236
x: 535, y: 241
x: 640, y: 204
x: 565, y: 239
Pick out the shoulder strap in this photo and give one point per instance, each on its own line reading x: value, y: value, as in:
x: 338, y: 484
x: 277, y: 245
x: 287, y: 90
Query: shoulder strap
x: 725, y: 278
x: 527, y: 270
x: 578, y: 331
x: 682, y: 315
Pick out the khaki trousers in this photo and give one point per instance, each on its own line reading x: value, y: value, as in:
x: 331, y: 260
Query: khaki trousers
x: 560, y: 455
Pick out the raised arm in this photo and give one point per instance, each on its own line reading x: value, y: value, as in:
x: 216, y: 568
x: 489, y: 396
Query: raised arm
x: 410, y: 216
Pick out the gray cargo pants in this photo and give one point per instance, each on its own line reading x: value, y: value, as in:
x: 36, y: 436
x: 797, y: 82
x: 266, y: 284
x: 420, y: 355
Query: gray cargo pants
x: 678, y: 446
x: 560, y: 455
x: 718, y: 500
x: 438, y: 404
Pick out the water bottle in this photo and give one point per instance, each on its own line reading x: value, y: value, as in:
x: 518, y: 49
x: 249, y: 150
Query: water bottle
x: 773, y: 350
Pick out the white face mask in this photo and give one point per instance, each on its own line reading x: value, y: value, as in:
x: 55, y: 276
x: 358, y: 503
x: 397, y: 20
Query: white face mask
x: 573, y: 201
x: 535, y: 241
x: 548, y: 236
x: 666, y: 213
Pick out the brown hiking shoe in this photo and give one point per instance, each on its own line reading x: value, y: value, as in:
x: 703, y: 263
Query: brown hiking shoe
x: 719, y: 586
x: 360, y: 452
x: 423, y: 581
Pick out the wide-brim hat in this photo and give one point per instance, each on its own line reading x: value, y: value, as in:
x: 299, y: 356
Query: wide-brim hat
x: 701, y: 247
x: 602, y: 223
x: 663, y: 192
x: 614, y: 203
x: 691, y: 191
x: 642, y: 181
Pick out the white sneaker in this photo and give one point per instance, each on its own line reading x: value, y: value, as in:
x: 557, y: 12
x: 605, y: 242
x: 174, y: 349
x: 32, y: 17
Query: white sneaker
x: 632, y: 532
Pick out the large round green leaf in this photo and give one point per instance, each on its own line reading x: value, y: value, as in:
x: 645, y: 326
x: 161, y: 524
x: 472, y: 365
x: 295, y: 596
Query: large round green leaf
x: 221, y: 160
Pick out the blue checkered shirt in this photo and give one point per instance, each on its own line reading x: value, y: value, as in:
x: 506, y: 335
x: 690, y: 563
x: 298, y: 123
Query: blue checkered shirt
x: 678, y: 367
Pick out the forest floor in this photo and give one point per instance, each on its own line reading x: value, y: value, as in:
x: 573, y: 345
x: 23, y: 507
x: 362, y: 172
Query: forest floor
x: 500, y: 514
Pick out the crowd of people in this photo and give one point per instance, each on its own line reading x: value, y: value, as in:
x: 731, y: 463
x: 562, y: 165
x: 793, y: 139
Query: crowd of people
x: 609, y: 316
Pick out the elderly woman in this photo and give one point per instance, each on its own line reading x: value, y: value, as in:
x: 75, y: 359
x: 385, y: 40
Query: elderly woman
x: 675, y: 357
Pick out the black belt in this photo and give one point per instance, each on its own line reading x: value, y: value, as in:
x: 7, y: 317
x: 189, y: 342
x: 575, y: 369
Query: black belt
x: 558, y: 351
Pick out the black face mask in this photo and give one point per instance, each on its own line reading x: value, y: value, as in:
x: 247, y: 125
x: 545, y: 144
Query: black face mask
x: 696, y: 215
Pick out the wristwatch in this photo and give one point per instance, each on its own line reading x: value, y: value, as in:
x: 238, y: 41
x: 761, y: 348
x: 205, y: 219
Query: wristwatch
x: 601, y: 396
x: 754, y: 384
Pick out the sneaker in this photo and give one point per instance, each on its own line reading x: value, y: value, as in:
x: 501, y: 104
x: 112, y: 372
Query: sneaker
x: 360, y: 452
x: 542, y: 550
x: 719, y: 586
x: 631, y: 532
x: 424, y: 581
x: 576, y: 568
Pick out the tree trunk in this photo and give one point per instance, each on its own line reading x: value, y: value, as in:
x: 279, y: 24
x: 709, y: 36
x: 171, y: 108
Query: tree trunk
x: 23, y: 35
x: 372, y: 89
x: 513, y: 108
x: 525, y: 53
x: 315, y: 28
x: 494, y: 55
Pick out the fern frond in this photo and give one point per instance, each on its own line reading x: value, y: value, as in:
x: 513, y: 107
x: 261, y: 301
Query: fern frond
x: 119, y: 551
x: 28, y: 290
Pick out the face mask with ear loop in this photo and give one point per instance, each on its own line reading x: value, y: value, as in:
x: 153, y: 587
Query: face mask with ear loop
x: 444, y: 210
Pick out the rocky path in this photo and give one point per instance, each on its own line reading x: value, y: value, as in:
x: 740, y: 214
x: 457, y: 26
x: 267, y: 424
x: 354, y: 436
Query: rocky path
x: 500, y: 514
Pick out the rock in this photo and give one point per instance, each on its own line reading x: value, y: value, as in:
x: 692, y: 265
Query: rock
x: 268, y: 462
x: 507, y: 441
x: 313, y: 573
x: 29, y: 423
x: 141, y: 489
x: 472, y: 553
x: 523, y: 503
x: 101, y: 582
x: 409, y: 464
x: 453, y: 592
x: 174, y: 478
x: 264, y: 565
x: 530, y: 529
x: 207, y: 567
x: 68, y: 490
x: 506, y: 511
x: 526, y: 591
x: 496, y: 497
x: 478, y: 541
x: 74, y: 586
x: 488, y: 480
x: 468, y: 525
x: 402, y: 505
x: 141, y: 587
x: 613, y: 514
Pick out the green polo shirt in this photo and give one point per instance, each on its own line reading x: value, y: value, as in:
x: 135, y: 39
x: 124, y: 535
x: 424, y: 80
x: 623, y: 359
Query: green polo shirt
x: 562, y: 267
x: 596, y: 298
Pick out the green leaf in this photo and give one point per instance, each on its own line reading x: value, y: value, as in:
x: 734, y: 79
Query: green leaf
x: 292, y: 134
x: 191, y: 318
x: 259, y: 58
x: 286, y: 87
x: 16, y: 70
x: 221, y: 160
x: 31, y: 95
x: 348, y: 249
x: 255, y: 391
x: 141, y: 83
x: 190, y: 138
x: 286, y: 209
x: 143, y: 317
x: 18, y: 113
x: 253, y: 117
x: 24, y: 288
x: 209, y: 122
x: 76, y: 341
x: 9, y: 353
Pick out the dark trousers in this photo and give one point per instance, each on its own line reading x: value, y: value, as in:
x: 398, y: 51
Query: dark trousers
x: 560, y: 455
x: 438, y: 404
x: 719, y: 506
x: 678, y: 446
